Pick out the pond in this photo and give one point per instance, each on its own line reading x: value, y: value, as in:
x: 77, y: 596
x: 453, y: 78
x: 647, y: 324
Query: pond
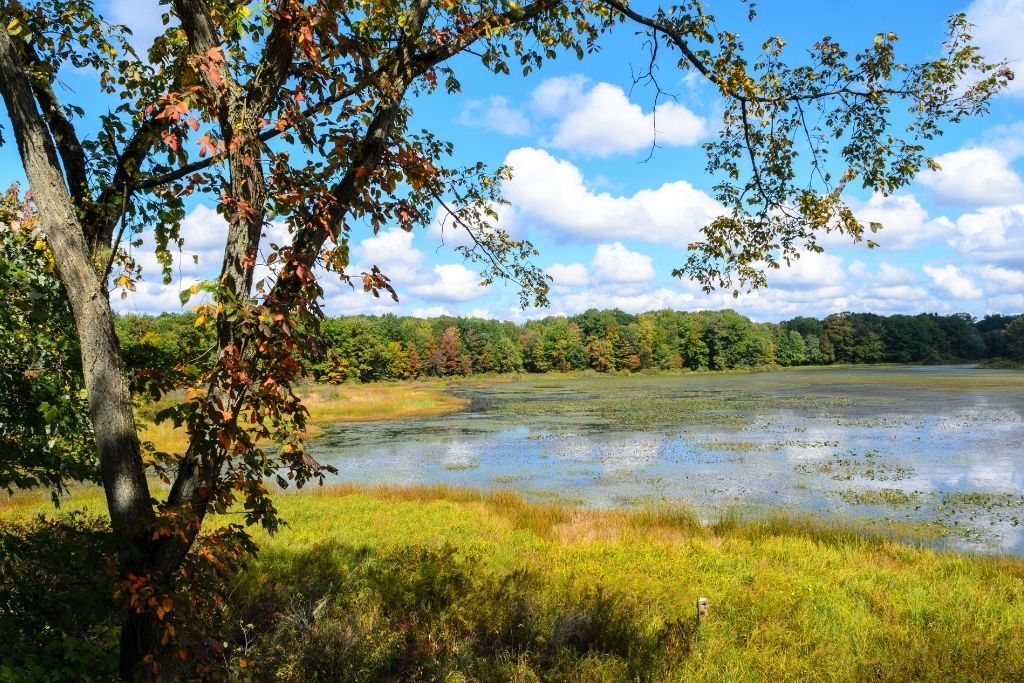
x: 940, y: 447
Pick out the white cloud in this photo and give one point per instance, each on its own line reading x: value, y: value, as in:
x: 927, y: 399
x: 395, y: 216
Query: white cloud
x: 450, y: 233
x: 1008, y: 138
x: 975, y: 176
x: 453, y: 282
x: 904, y: 221
x: 391, y: 250
x: 568, y: 275
x: 155, y: 297
x: 998, y: 26
x: 993, y: 235
x: 553, y: 192
x: 953, y: 282
x: 648, y: 300
x: 906, y: 293
x: 429, y: 312
x: 810, y: 270
x: 204, y: 232
x: 1002, y: 280
x: 615, y: 263
x: 554, y: 95
x: 601, y: 120
x: 886, y: 275
x: 496, y: 114
x: 893, y: 275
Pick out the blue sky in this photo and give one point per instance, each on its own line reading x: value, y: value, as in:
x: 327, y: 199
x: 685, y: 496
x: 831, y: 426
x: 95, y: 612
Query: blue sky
x: 611, y: 226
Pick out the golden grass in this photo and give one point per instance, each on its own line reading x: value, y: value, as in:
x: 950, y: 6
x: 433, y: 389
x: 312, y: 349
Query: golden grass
x: 329, y: 404
x: 791, y: 598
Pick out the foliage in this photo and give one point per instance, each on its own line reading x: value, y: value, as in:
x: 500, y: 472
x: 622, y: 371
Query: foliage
x: 1014, y: 335
x: 57, y: 621
x: 45, y: 433
x: 367, y: 349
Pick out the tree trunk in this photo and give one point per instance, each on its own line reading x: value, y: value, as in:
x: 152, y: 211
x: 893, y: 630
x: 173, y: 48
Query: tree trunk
x: 110, y: 406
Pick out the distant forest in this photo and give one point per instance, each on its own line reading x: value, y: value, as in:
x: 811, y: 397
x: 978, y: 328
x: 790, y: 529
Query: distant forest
x: 369, y: 348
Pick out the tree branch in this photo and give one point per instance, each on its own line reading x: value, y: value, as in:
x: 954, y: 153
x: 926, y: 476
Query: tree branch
x: 276, y: 58
x: 69, y: 147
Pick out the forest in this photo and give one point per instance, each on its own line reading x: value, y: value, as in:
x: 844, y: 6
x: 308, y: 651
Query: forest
x: 374, y: 348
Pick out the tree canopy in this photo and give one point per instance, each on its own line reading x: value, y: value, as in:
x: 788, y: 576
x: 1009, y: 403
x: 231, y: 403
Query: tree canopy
x: 300, y: 110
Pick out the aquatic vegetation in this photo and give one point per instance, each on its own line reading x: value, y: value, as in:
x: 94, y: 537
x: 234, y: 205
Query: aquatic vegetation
x: 885, y: 496
x: 855, y: 465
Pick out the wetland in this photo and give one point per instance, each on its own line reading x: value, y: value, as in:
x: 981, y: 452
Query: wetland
x: 938, y: 449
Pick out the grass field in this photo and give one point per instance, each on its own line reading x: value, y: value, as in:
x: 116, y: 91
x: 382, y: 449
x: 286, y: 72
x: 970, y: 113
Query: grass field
x: 790, y: 598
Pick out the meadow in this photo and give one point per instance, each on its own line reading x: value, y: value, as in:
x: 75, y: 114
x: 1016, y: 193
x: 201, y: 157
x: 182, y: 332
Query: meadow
x: 434, y: 583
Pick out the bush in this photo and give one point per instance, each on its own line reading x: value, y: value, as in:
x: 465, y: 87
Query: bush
x: 57, y: 618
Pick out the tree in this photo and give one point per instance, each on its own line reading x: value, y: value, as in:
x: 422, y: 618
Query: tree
x: 790, y: 348
x: 300, y: 111
x: 1014, y: 334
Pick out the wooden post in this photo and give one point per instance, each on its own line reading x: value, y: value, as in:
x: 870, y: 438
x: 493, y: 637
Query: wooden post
x: 702, y: 611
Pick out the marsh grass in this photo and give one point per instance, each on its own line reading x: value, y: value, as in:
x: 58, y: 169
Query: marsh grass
x: 793, y: 597
x: 437, y: 583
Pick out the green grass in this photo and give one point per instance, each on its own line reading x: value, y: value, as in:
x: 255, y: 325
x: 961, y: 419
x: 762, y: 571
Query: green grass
x: 791, y: 598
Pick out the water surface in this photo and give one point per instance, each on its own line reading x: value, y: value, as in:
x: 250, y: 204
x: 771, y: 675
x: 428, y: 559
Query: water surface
x: 939, y: 446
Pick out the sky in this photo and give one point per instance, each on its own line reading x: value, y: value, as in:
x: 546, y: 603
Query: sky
x: 611, y: 222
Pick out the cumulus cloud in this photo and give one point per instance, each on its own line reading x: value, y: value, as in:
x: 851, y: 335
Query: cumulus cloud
x: 616, y: 263
x: 391, y: 250
x: 496, y: 114
x: 155, y: 297
x: 553, y: 193
x: 893, y: 275
x: 568, y: 275
x: 992, y: 235
x: 452, y: 282
x: 950, y: 280
x: 998, y: 26
x: 810, y: 270
x: 1002, y: 280
x: 904, y: 221
x: 446, y: 231
x: 599, y: 120
x: 975, y: 176
x: 638, y: 302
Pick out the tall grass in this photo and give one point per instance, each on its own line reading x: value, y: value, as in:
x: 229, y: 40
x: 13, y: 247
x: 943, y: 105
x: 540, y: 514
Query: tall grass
x: 434, y: 583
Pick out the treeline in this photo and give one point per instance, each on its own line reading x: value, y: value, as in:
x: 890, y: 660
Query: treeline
x: 367, y: 348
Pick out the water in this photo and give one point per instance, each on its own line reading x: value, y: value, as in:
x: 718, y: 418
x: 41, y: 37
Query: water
x: 938, y: 446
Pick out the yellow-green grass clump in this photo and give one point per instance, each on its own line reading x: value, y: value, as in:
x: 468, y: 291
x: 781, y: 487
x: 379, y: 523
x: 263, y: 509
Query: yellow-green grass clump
x: 610, y: 595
